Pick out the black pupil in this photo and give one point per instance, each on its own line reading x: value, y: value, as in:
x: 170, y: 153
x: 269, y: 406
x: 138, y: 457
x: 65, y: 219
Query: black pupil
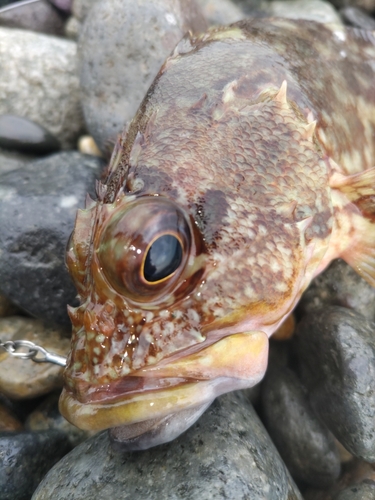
x: 163, y: 258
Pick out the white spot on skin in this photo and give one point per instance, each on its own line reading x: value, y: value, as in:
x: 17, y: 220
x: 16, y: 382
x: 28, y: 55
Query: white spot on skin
x: 193, y: 315
x: 171, y: 19
x: 340, y: 35
x: 343, y: 53
x: 68, y: 201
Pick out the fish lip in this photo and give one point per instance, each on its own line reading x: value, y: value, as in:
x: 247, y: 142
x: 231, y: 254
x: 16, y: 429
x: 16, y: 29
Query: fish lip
x: 161, y: 394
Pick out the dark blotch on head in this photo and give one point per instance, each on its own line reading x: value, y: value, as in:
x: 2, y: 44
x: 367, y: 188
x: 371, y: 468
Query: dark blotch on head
x: 210, y: 212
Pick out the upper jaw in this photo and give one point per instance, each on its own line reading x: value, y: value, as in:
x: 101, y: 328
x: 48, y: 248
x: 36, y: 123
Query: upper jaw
x: 234, y: 362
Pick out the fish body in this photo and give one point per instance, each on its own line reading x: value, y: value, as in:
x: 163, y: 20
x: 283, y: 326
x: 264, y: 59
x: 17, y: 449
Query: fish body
x: 248, y: 167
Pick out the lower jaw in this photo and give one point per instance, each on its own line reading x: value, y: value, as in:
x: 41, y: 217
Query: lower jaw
x: 146, y: 406
x: 235, y: 362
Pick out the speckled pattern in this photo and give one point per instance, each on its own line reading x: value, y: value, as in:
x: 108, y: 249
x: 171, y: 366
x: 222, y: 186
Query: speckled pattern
x: 242, y: 130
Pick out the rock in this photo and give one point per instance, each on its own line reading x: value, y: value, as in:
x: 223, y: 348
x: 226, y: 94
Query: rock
x: 286, y: 330
x: 38, y: 15
x: 23, y: 378
x: 38, y: 205
x: 336, y: 354
x: 121, y: 57
x: 226, y: 454
x: 362, y: 491
x: 367, y: 5
x: 312, y: 10
x: 47, y: 416
x: 359, y: 477
x: 72, y: 28
x: 81, y: 8
x: 39, y: 82
x: 306, y: 446
x: 11, y: 160
x: 87, y: 146
x: 6, y: 2
x: 26, y: 136
x: 6, y: 307
x: 251, y: 7
x: 339, y: 285
x: 25, y: 458
x: 8, y: 421
x: 64, y: 5
x: 220, y: 12
x: 8, y: 163
x: 357, y: 18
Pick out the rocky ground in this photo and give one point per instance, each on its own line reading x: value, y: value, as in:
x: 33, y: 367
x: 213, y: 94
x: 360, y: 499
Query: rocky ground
x: 72, y: 74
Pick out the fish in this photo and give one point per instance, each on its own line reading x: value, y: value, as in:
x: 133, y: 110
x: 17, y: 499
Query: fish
x: 247, y: 169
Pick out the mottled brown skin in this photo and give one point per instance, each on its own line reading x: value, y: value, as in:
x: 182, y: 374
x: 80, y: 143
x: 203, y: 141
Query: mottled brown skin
x: 218, y: 136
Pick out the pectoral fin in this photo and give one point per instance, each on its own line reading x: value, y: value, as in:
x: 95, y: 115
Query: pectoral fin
x: 354, y: 201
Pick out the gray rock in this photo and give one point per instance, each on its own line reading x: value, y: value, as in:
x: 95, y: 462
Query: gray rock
x: 339, y: 285
x: 226, y: 454
x: 38, y: 205
x: 37, y: 16
x: 121, y: 57
x: 25, y: 458
x: 368, y: 5
x: 81, y: 8
x: 365, y: 490
x: 63, y: 5
x: 24, y: 135
x: 47, y: 416
x: 357, y: 18
x: 336, y: 354
x: 39, y: 81
x: 72, y: 28
x: 220, y: 12
x: 306, y: 446
x: 312, y: 10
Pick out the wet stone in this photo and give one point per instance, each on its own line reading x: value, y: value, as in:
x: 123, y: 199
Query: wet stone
x: 47, y: 416
x: 25, y: 458
x: 226, y: 454
x: 312, y: 10
x: 63, y: 5
x: 336, y: 353
x: 39, y: 81
x: 367, y: 5
x: 362, y: 491
x: 26, y: 136
x: 118, y: 64
x: 25, y: 379
x: 339, y: 285
x: 221, y: 12
x: 357, y: 18
x: 37, y: 16
x: 38, y: 205
x: 306, y: 446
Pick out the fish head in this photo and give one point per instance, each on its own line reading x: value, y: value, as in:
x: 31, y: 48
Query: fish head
x: 145, y: 358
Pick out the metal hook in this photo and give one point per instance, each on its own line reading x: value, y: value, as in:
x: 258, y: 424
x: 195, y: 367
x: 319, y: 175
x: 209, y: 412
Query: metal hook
x: 35, y: 352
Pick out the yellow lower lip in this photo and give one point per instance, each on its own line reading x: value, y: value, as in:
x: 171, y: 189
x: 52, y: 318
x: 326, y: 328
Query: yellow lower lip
x: 241, y: 357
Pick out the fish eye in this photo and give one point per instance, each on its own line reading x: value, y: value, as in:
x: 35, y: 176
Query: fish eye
x: 144, y: 248
x: 163, y: 258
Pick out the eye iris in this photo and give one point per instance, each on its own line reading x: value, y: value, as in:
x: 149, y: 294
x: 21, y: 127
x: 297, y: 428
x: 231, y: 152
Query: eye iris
x: 163, y: 258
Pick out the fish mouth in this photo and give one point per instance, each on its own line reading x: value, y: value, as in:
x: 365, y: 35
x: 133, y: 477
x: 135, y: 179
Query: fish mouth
x: 156, y: 391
